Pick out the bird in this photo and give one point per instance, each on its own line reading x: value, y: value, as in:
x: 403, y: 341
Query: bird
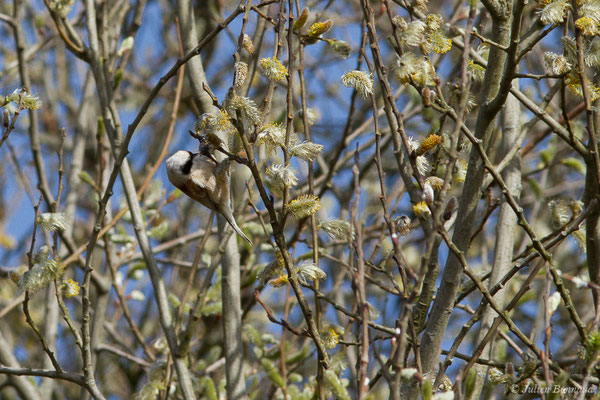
x: 205, y: 180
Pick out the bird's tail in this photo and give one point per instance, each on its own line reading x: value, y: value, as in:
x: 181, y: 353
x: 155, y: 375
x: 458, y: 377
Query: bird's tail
x: 236, y: 228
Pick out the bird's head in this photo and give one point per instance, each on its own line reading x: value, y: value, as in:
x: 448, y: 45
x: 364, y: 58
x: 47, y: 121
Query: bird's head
x: 179, y: 166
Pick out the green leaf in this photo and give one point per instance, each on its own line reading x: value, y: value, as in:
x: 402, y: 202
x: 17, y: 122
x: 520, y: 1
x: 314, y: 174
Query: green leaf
x: 212, y: 308
x: 575, y: 164
x: 208, y: 388
x: 299, y: 356
x: 334, y: 383
x: 272, y: 372
x: 470, y: 384
x: 85, y: 177
x: 131, y: 272
x: 175, y: 194
x: 426, y: 389
x: 122, y: 238
x: 547, y: 155
x: 159, y: 231
x: 535, y: 186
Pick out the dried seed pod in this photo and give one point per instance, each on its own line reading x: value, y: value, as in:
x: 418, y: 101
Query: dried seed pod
x: 402, y: 225
x: 449, y: 210
x: 6, y: 118
x: 426, y: 98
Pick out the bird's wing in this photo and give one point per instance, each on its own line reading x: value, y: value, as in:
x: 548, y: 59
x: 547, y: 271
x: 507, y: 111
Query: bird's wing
x: 203, y: 173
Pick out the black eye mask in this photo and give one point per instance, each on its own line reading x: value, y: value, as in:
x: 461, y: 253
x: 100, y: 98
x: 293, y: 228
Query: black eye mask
x: 187, y: 167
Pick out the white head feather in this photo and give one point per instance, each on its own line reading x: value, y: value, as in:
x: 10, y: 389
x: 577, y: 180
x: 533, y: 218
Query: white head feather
x: 175, y: 165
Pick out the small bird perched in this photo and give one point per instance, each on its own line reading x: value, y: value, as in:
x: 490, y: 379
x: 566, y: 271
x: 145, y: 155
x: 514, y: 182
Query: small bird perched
x: 204, y: 180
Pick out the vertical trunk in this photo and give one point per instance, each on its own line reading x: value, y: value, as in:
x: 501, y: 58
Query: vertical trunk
x: 592, y: 229
x: 446, y: 294
x: 592, y: 222
x: 232, y: 317
x: 507, y: 223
